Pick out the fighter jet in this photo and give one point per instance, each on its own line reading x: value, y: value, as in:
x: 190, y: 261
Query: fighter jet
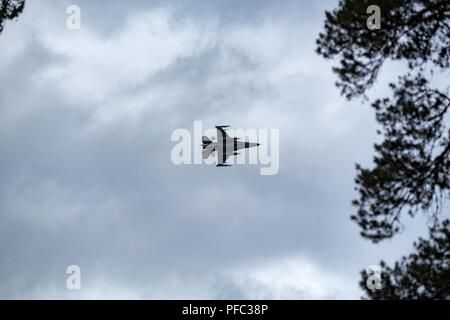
x: 225, y: 146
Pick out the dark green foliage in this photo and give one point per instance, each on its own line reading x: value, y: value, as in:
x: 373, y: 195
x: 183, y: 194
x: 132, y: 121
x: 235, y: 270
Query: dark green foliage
x: 10, y: 9
x: 424, y: 274
x: 412, y: 163
x: 417, y: 31
x: 411, y: 170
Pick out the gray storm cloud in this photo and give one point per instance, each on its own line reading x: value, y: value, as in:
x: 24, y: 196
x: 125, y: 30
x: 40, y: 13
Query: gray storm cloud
x: 85, y: 171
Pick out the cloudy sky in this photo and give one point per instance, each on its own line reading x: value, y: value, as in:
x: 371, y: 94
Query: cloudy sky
x: 86, y: 176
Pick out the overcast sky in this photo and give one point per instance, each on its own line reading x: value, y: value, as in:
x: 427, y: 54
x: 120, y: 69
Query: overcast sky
x: 86, y: 176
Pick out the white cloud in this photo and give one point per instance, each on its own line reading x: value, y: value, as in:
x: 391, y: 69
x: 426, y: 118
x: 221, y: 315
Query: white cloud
x: 291, y: 277
x: 95, y: 68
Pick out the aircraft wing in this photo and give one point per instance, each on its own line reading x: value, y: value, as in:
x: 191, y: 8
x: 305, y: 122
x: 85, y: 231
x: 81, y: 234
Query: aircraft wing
x: 208, y: 150
x: 222, y: 136
x: 223, y: 155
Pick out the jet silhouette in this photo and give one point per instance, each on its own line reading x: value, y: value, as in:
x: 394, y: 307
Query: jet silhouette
x: 225, y: 146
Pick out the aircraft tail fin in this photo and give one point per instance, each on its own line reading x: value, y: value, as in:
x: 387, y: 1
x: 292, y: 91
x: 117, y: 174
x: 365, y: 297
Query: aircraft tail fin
x: 207, y: 151
x: 206, y: 141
